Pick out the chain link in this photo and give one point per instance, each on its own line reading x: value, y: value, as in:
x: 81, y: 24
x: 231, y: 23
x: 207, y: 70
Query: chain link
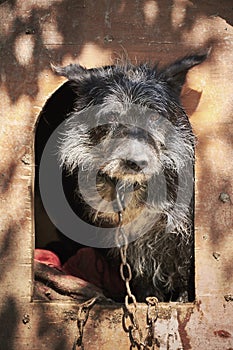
x: 152, y: 315
x: 82, y: 317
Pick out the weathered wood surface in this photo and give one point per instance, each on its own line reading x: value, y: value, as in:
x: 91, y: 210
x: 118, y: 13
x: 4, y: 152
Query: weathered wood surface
x: 36, y: 33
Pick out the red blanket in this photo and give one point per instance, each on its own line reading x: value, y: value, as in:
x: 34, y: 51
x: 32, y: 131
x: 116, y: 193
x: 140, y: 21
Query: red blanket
x: 89, y: 265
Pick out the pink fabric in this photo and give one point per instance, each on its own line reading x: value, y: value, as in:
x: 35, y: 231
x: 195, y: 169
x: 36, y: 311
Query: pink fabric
x: 47, y: 257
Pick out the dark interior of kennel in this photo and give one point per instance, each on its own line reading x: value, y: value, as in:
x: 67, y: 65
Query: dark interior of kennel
x: 47, y: 237
x: 52, y: 115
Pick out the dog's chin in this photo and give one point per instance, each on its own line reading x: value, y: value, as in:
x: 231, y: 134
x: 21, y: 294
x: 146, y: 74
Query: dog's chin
x: 109, y: 186
x: 127, y: 180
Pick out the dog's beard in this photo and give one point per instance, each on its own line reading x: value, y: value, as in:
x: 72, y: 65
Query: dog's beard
x: 145, y: 201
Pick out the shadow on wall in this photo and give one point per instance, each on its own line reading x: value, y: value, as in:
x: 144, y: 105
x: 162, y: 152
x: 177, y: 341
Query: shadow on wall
x: 9, y: 317
x: 35, y: 34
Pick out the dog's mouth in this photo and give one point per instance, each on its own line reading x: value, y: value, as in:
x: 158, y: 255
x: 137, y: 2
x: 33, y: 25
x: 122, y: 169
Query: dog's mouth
x: 114, y: 181
x: 122, y: 194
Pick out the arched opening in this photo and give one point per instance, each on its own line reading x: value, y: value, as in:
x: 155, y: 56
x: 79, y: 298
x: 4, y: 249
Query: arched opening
x: 55, y: 248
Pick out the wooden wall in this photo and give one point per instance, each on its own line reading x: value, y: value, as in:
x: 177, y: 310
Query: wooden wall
x: 35, y: 33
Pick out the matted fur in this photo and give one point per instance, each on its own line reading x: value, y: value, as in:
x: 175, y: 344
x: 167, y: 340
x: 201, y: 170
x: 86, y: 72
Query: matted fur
x: 161, y: 148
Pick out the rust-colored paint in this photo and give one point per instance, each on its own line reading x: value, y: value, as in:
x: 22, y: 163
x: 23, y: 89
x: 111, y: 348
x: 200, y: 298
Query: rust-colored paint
x: 36, y: 33
x: 183, y: 321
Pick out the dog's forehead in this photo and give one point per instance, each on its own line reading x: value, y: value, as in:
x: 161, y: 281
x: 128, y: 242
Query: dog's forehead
x: 130, y: 90
x: 136, y: 98
x: 132, y: 86
x: 124, y: 107
x: 131, y: 76
x: 136, y: 74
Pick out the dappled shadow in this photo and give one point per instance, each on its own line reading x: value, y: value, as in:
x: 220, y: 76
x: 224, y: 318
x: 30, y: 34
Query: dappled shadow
x: 7, y: 248
x: 9, y: 319
x: 223, y: 9
x: 215, y: 191
x: 44, y: 326
x: 215, y: 196
x: 228, y: 271
x: 6, y: 177
x: 35, y: 35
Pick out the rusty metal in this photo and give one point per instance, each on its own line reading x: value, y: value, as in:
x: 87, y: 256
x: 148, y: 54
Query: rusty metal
x: 82, y: 317
x: 133, y: 329
x: 152, y: 315
x: 135, y: 333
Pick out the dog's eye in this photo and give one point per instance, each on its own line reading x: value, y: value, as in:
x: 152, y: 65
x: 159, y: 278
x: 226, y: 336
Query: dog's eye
x: 162, y: 147
x: 153, y: 120
x: 112, y: 119
x: 154, y: 117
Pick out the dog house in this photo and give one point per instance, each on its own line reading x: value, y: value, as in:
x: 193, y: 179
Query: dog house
x: 35, y: 34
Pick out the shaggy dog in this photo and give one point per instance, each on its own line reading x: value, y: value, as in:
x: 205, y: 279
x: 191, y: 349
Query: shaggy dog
x: 129, y: 131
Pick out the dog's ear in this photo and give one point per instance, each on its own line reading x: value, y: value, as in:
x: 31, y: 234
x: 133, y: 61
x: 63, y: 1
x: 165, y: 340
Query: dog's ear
x: 175, y: 74
x: 73, y: 72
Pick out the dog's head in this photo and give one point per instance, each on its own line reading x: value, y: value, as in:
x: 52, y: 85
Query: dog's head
x: 128, y: 126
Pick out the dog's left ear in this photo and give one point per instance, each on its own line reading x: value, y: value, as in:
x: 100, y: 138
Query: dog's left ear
x: 175, y: 74
x: 73, y: 72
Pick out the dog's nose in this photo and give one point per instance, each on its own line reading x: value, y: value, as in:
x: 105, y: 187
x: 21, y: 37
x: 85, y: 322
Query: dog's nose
x: 136, y: 165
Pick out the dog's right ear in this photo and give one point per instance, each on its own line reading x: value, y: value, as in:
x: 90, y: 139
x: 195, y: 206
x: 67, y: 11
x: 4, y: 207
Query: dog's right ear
x: 73, y: 72
x: 175, y: 74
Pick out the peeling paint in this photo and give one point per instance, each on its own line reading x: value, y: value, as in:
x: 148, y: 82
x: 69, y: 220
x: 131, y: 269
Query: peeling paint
x: 167, y: 332
x: 222, y: 334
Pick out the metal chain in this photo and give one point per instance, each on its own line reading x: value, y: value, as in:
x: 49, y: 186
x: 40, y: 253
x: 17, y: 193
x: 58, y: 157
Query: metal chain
x: 83, y: 313
x: 130, y: 320
x: 152, y: 315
